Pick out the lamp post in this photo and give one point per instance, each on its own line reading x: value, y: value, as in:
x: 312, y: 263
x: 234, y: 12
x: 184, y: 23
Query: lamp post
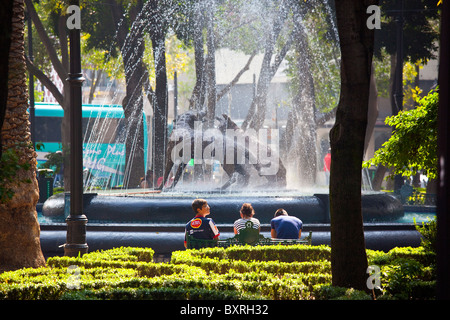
x: 76, y: 221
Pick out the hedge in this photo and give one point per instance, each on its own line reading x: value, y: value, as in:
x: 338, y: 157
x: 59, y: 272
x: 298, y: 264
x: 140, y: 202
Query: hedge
x: 274, y: 267
x: 275, y: 272
x: 154, y: 294
x: 291, y: 287
x: 282, y: 253
x: 112, y: 257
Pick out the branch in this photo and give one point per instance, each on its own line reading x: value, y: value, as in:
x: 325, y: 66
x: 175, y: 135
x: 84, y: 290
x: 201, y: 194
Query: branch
x: 280, y: 56
x: 44, y: 80
x: 96, y: 79
x: 63, y: 42
x: 236, y: 78
x: 148, y: 88
x: 321, y: 118
x: 59, y: 68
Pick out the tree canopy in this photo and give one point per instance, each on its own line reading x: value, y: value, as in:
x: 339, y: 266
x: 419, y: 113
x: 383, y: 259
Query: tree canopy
x: 419, y: 37
x: 412, y: 147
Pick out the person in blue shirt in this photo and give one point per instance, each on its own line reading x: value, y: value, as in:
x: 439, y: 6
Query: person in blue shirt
x: 201, y: 227
x: 284, y: 226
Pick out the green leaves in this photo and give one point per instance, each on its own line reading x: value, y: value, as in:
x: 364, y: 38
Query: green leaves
x: 10, y: 164
x: 412, y: 147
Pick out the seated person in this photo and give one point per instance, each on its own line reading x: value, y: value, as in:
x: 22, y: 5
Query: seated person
x: 247, y: 214
x: 284, y: 226
x: 201, y: 227
x: 147, y: 181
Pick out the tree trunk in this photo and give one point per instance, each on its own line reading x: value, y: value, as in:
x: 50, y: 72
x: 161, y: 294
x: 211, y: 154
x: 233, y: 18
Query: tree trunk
x: 443, y: 200
x: 5, y: 41
x: 372, y: 113
x: 380, y: 172
x: 62, y: 68
x: 257, y: 111
x: 160, y: 103
x: 198, y: 97
x: 131, y: 43
x: 210, y: 65
x: 96, y: 77
x: 304, y: 134
x: 19, y: 228
x: 348, y: 255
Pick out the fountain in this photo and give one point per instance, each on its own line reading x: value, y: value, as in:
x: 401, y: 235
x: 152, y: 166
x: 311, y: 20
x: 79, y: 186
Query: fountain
x: 253, y: 168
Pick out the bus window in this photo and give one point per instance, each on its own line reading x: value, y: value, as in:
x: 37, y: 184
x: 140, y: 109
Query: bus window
x: 49, y: 129
x: 102, y: 130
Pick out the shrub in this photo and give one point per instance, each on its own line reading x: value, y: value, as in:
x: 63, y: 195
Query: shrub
x: 329, y: 292
x: 97, y: 258
x: 159, y: 269
x: 155, y: 294
x: 407, y: 278
x: 429, y: 234
x: 222, y: 266
x: 420, y: 254
x: 280, y: 253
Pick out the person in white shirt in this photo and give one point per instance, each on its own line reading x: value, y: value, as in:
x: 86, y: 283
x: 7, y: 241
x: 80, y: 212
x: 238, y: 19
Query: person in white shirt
x: 247, y: 214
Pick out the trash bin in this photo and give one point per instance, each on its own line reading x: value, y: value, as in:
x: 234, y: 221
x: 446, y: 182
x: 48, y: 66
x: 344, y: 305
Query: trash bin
x: 45, y: 183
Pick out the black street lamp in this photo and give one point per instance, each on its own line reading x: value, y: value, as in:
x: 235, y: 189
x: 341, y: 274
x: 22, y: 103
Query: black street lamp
x: 76, y: 221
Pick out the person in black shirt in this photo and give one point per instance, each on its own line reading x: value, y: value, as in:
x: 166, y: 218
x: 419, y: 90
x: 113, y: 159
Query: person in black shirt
x: 201, y: 227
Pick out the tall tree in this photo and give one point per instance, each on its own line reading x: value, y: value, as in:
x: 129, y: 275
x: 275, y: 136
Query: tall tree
x: 443, y: 199
x: 301, y: 135
x: 157, y: 17
x: 257, y: 111
x: 348, y: 255
x: 19, y: 228
x: 131, y: 22
x: 210, y: 25
x: 418, y: 43
x: 130, y: 40
x: 59, y: 58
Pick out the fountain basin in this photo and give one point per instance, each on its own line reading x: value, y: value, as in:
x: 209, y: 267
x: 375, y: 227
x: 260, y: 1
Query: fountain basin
x: 165, y: 239
x: 176, y: 208
x: 158, y: 221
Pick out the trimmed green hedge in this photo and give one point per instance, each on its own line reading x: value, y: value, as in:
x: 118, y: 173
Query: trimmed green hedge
x: 282, y: 253
x: 96, y: 258
x: 264, y: 286
x: 223, y: 266
x: 244, y: 272
x: 154, y: 294
x: 128, y: 273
